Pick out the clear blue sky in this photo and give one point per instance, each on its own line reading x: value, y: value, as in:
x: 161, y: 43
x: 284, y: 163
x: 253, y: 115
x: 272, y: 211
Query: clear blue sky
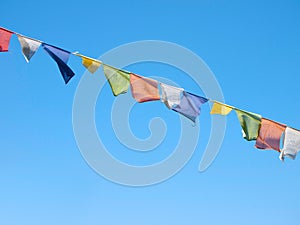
x: 252, y: 48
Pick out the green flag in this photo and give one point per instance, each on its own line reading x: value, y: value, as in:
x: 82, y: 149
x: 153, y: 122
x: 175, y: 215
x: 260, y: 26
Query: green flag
x: 119, y: 80
x: 250, y: 123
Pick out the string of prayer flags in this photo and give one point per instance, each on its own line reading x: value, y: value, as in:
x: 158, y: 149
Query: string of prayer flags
x: 190, y: 105
x: 220, y: 108
x: 143, y: 89
x: 5, y: 36
x: 61, y: 57
x: 267, y: 133
x: 250, y: 123
x: 270, y: 134
x: 90, y: 64
x: 119, y: 80
x: 29, y: 46
x: 291, y: 143
x: 170, y: 95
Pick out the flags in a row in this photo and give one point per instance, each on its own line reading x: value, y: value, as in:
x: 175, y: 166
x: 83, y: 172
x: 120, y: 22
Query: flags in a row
x: 267, y: 133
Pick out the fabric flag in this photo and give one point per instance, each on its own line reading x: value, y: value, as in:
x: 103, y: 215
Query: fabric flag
x: 291, y: 143
x: 119, y: 80
x: 170, y: 95
x: 61, y: 57
x: 5, y: 36
x: 269, y: 135
x: 29, y: 46
x: 143, y: 89
x: 250, y: 123
x: 90, y: 64
x: 190, y: 105
x: 220, y: 108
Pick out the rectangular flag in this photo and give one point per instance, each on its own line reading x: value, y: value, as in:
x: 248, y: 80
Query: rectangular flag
x: 144, y: 89
x: 119, y: 80
x: 170, y: 95
x: 29, y: 46
x: 190, y: 105
x: 61, y: 57
x: 5, y: 36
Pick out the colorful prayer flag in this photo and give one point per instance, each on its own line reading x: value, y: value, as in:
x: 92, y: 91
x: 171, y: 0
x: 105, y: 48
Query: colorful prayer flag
x: 29, y: 46
x: 170, y: 95
x: 291, y: 143
x: 90, y: 64
x: 270, y: 134
x: 61, y: 57
x: 250, y: 123
x: 5, y: 36
x: 220, y: 108
x: 143, y: 89
x: 190, y: 105
x: 119, y: 80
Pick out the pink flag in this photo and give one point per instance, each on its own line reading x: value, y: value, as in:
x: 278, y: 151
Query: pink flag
x: 5, y: 36
x: 144, y: 89
x: 269, y: 135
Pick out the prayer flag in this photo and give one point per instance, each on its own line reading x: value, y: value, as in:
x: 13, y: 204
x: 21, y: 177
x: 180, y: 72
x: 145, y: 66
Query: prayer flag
x: 143, y: 89
x: 170, y: 95
x: 190, y: 105
x: 29, y: 46
x: 220, y: 108
x: 5, y: 36
x: 61, y: 57
x: 119, y: 80
x: 250, y: 123
x: 90, y: 64
x: 291, y: 143
x: 270, y: 134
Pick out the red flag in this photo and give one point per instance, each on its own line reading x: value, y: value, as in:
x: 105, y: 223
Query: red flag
x: 5, y: 36
x: 144, y: 89
x: 269, y: 135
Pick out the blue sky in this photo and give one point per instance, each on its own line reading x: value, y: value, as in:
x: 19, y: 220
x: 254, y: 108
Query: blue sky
x: 252, y: 48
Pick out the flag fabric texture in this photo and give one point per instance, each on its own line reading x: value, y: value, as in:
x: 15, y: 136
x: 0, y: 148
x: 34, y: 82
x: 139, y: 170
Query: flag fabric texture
x: 90, y: 64
x: 291, y: 143
x: 220, y: 108
x: 143, y: 89
x: 61, y: 57
x: 119, y: 80
x: 29, y: 46
x: 5, y: 36
x: 269, y: 135
x: 250, y: 123
x: 170, y: 95
x: 190, y: 105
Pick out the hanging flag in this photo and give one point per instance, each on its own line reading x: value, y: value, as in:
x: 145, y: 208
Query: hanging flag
x: 170, y: 95
x: 91, y: 64
x: 190, y: 105
x: 250, y: 123
x: 291, y: 143
x: 119, y: 80
x: 61, y: 57
x: 220, y: 108
x: 5, y: 36
x: 29, y: 46
x: 270, y: 134
x: 143, y: 89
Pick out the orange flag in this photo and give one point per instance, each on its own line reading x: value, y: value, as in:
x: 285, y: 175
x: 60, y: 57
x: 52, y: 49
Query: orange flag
x: 269, y: 135
x: 144, y: 89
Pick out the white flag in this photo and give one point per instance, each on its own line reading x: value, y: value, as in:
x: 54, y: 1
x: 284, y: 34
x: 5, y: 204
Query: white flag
x: 291, y: 143
x: 29, y: 46
x: 170, y: 95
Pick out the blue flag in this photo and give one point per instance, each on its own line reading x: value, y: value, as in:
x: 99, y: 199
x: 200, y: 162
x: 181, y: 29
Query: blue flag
x: 61, y: 57
x: 190, y: 105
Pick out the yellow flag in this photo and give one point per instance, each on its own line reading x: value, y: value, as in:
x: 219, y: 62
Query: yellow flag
x: 219, y: 108
x: 91, y: 64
